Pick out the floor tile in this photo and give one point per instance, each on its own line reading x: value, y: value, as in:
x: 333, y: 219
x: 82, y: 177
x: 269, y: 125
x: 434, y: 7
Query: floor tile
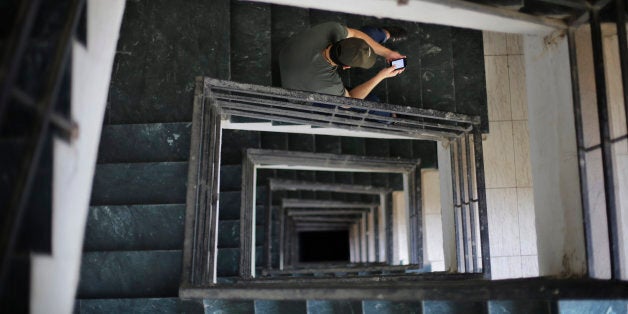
x: 494, y: 43
x: 517, y: 81
x: 530, y: 266
x: 527, y: 224
x: 506, y: 267
x: 521, y: 145
x: 503, y: 222
x: 514, y: 44
x: 499, y: 159
x: 497, y: 88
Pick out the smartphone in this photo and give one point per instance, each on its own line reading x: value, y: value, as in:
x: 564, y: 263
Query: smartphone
x: 398, y: 63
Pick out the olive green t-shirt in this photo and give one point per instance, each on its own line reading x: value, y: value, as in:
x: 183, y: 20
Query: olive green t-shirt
x: 302, y: 65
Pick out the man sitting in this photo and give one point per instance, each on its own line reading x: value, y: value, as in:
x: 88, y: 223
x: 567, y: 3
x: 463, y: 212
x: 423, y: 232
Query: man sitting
x: 309, y: 60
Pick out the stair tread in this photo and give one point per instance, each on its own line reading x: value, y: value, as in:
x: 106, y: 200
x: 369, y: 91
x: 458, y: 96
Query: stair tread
x: 138, y: 305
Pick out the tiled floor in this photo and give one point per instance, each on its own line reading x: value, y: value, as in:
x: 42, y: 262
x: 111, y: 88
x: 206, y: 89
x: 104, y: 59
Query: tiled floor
x: 509, y: 193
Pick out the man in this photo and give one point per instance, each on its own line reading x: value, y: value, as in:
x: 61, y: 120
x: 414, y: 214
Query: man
x: 310, y: 59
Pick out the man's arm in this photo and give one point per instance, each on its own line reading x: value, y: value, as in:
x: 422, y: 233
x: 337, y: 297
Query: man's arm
x: 362, y: 90
x: 377, y: 47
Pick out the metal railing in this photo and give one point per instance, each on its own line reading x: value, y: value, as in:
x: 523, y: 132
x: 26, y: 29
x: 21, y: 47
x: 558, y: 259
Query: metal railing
x: 217, y: 100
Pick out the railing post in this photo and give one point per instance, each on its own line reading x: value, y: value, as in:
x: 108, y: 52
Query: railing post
x: 202, y: 205
x: 269, y: 229
x: 247, y: 219
x: 389, y: 229
x: 482, y: 209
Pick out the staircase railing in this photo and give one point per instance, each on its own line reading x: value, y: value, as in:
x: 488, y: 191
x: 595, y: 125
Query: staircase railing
x: 217, y: 100
x: 42, y: 108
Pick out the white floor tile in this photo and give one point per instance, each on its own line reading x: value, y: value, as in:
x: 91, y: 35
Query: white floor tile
x: 497, y: 88
x: 506, y: 267
x: 499, y: 156
x: 517, y: 81
x: 521, y: 145
x: 494, y: 43
x: 503, y: 222
x: 527, y: 225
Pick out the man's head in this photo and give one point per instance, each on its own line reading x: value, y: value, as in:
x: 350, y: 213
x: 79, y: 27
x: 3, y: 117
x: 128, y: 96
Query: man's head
x: 352, y: 52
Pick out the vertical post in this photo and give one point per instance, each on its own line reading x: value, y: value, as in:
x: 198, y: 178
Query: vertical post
x: 418, y: 217
x: 247, y: 220
x: 269, y: 229
x: 202, y: 206
x: 367, y: 235
x: 282, y: 232
x: 464, y: 205
x: 389, y: 229
x: 376, y: 212
x: 413, y: 199
x: 472, y: 207
x: 605, y: 134
x: 482, y: 211
x: 582, y: 155
x: 457, y: 205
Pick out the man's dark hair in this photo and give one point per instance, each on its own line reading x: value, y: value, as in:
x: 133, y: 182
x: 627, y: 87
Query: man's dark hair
x: 353, y: 52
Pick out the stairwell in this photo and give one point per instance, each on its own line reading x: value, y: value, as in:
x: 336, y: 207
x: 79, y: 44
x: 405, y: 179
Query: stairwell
x: 133, y: 243
x: 132, y: 251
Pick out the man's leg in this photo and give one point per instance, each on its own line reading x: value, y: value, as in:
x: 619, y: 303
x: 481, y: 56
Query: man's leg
x: 378, y: 34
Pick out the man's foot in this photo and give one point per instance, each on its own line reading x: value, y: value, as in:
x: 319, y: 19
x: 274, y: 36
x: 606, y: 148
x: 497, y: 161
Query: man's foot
x: 395, y: 34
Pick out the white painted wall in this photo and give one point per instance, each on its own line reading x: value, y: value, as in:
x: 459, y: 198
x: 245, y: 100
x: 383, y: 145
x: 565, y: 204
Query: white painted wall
x: 451, y: 12
x: 558, y: 210
x: 450, y: 259
x: 55, y: 277
x: 401, y: 253
x: 432, y: 222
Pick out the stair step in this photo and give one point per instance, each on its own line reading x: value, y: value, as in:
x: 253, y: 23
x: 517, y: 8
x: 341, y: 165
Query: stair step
x: 389, y: 307
x: 333, y: 307
x: 228, y: 306
x: 140, y: 183
x: 144, y: 274
x: 250, y: 43
x: 280, y: 307
x: 130, y: 274
x: 450, y: 307
x: 524, y: 306
x: 153, y: 142
x: 230, y: 178
x: 153, y: 77
x: 138, y: 305
x: 135, y: 227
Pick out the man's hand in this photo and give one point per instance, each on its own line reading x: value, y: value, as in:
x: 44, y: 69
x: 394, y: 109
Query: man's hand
x: 390, y: 72
x: 393, y: 55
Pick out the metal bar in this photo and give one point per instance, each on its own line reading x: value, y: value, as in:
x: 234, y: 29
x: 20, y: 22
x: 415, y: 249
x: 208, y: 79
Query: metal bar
x: 282, y: 227
x: 258, y: 90
x: 607, y: 155
x: 367, y: 230
x: 325, y: 212
x: 311, y: 203
x: 294, y: 185
x: 291, y: 108
x: 582, y: 156
x: 457, y: 225
x: 38, y: 134
x: 463, y: 207
x: 269, y: 228
x: 376, y: 231
x: 193, y: 178
x: 620, y: 8
x: 247, y: 220
x: 613, y: 141
x: 325, y: 121
x: 14, y: 50
x: 417, y: 217
x: 482, y: 210
x: 441, y: 287
x: 389, y: 229
x: 66, y: 128
x: 267, y: 158
x: 474, y: 253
